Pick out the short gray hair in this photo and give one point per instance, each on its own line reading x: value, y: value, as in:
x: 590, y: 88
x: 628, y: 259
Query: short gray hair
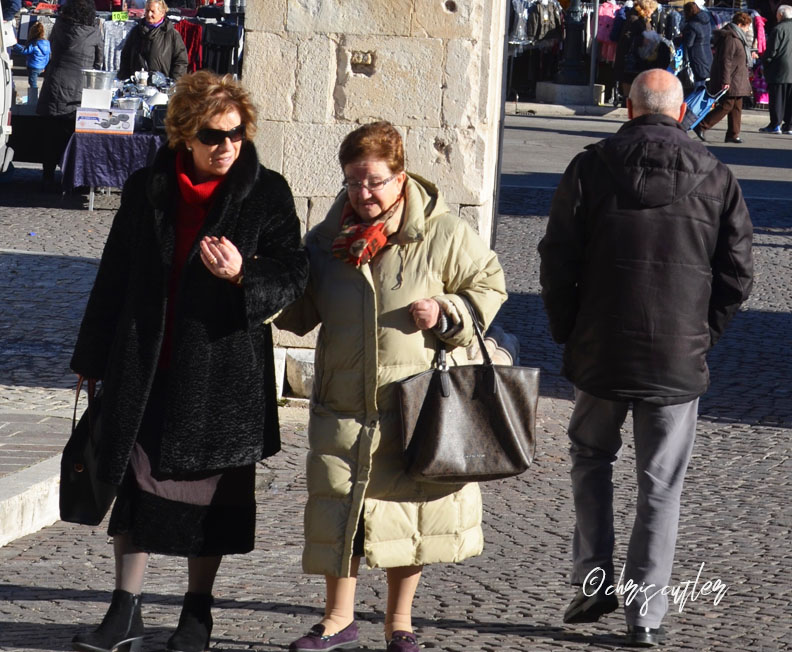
x: 656, y: 92
x: 158, y: 2
x: 785, y: 11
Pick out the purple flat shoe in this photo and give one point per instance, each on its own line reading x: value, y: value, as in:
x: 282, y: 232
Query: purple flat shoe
x: 315, y: 639
x: 402, y: 641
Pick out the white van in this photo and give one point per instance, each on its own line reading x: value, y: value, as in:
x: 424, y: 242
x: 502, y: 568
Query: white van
x: 7, y: 39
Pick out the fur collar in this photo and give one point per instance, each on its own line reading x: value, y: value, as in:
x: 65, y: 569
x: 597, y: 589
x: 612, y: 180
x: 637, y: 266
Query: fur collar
x: 240, y: 179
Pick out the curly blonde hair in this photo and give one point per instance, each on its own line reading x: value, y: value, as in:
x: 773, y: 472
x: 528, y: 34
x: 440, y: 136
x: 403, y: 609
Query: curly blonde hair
x: 645, y: 8
x: 199, y: 97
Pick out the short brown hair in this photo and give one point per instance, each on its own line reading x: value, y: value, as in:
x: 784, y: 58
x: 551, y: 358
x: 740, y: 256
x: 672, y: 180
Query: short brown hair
x: 690, y: 9
x: 741, y: 18
x: 199, y: 97
x: 36, y: 32
x: 377, y: 140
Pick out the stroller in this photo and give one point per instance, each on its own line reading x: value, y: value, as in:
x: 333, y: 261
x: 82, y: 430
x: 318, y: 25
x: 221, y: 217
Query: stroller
x: 699, y: 104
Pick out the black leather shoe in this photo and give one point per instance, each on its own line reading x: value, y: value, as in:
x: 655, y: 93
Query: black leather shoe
x: 700, y: 133
x: 733, y: 139
x: 195, y: 624
x: 644, y: 636
x: 588, y: 608
x: 121, y: 628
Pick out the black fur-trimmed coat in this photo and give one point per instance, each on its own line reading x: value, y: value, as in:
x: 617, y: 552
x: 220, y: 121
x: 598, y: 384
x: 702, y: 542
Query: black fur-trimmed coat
x: 221, y: 403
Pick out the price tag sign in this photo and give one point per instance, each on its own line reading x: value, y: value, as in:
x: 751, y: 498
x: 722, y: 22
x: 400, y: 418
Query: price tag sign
x: 120, y: 15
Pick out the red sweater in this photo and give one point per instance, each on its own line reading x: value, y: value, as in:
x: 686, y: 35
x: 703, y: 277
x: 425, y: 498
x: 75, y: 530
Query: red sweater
x: 195, y: 200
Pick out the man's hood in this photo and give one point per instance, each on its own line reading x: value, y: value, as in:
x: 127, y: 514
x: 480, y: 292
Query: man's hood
x: 653, y: 160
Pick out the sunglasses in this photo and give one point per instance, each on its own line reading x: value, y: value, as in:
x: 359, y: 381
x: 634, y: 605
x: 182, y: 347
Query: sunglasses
x: 217, y: 136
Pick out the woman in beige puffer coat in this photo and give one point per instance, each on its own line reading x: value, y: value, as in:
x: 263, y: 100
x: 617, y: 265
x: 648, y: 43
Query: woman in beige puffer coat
x: 387, y: 267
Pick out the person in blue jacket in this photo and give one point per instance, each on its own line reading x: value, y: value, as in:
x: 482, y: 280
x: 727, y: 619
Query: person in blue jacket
x: 37, y: 53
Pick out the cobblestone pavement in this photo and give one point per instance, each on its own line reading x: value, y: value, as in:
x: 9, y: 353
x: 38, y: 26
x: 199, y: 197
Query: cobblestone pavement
x: 735, y: 513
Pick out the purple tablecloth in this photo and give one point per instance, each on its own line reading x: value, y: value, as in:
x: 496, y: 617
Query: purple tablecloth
x: 105, y: 160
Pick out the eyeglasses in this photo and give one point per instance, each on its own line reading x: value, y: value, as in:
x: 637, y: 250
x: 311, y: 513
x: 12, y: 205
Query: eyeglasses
x: 216, y: 136
x: 372, y: 185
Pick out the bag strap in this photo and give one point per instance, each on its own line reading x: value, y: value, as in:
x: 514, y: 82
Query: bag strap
x: 477, y: 328
x: 90, y: 389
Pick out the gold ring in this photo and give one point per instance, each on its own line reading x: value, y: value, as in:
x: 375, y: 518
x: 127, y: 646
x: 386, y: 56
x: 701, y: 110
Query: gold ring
x: 213, y: 261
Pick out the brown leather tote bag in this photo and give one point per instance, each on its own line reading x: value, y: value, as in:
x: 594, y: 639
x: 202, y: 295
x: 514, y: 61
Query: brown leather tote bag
x: 469, y: 423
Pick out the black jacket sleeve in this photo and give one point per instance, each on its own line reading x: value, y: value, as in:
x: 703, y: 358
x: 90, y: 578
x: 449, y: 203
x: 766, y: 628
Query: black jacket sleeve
x: 732, y: 263
x: 277, y: 275
x: 179, y: 60
x: 561, y: 251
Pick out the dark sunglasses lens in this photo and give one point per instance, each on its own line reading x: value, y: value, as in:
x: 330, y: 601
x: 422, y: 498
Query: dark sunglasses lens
x: 237, y: 133
x: 217, y: 136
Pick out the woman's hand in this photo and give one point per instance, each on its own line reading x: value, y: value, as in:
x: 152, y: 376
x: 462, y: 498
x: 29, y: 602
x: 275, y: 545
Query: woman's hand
x: 221, y: 258
x: 425, y: 313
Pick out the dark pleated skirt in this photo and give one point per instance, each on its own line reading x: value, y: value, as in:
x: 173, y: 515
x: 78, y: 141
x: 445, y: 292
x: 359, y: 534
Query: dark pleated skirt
x: 189, y: 515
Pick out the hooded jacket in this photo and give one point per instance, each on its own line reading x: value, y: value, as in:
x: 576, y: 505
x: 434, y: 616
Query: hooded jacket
x: 157, y: 49
x: 221, y: 409
x: 366, y: 343
x: 37, y: 54
x: 73, y: 47
x: 729, y: 65
x: 696, y: 37
x: 646, y: 258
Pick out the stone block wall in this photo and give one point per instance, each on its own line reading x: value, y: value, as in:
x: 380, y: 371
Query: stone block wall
x: 318, y: 68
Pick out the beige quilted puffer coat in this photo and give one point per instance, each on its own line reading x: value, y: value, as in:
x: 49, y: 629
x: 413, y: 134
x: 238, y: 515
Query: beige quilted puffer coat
x: 368, y: 341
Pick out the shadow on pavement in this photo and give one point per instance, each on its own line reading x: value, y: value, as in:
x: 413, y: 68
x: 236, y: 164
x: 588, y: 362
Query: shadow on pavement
x: 43, y: 299
x: 24, y: 188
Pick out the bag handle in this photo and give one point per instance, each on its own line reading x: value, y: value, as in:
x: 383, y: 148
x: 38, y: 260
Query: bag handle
x: 440, y: 346
x: 442, y: 364
x: 90, y: 389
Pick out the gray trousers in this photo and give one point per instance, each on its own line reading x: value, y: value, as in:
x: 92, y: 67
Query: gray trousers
x: 664, y: 436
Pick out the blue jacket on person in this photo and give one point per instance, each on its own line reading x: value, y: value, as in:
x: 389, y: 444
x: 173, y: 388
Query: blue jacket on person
x: 37, y: 54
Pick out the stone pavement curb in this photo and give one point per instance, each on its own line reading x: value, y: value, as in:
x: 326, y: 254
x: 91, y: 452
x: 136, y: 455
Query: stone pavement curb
x: 29, y: 500
x: 29, y: 496
x: 751, y: 117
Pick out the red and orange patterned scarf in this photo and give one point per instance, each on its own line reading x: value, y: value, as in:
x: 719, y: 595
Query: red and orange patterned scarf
x: 358, y: 242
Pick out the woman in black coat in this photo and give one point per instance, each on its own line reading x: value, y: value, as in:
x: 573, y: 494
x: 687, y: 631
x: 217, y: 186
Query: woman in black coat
x: 154, y: 45
x: 76, y: 44
x: 203, y: 252
x: 696, y: 38
x: 628, y: 63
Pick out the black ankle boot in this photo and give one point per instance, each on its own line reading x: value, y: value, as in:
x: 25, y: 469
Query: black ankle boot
x: 121, y: 629
x: 195, y: 624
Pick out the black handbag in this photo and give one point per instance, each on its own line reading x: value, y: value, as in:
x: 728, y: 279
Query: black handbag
x: 469, y: 423
x: 686, y: 77
x: 84, y: 498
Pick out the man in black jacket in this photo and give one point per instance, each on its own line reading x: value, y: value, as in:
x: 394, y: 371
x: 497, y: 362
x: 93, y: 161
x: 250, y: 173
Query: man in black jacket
x: 646, y: 258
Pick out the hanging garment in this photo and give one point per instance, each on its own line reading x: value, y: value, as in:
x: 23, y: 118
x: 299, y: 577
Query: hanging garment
x: 221, y: 48
x: 605, y: 20
x: 115, y: 33
x: 192, y: 34
x: 760, y: 30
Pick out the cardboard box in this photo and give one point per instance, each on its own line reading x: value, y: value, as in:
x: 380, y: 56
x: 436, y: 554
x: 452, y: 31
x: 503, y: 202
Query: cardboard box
x: 105, y: 121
